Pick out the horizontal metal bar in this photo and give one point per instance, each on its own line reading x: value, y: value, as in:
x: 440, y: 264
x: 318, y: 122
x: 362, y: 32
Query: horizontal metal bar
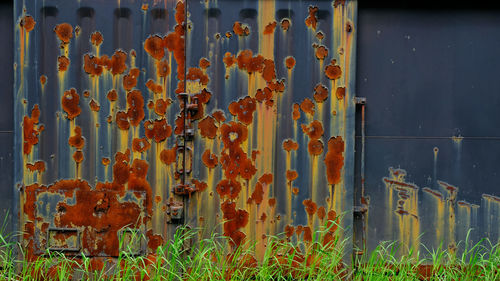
x: 430, y: 137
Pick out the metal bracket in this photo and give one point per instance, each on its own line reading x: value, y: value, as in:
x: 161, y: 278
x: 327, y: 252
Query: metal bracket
x: 360, y: 100
x: 175, y: 211
x: 53, y: 231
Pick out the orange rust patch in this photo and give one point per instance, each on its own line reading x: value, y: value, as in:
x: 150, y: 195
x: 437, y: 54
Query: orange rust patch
x: 235, y: 219
x: 153, y: 87
x: 243, y: 109
x: 43, y: 80
x: 321, y: 213
x: 295, y: 190
x: 92, y: 65
x: 86, y: 94
x: 78, y: 156
x: 130, y: 80
x: 37, y: 166
x: 246, y: 61
x: 290, y: 62
x: 307, y: 106
x: 272, y: 202
x: 77, y: 140
x: 315, y: 147
x: 321, y: 52
x: 247, y: 169
x: 229, y: 59
x: 199, y: 185
x: 285, y: 24
x: 257, y: 194
x: 333, y: 71
x: 207, y: 127
x: 204, y: 63
x: 229, y: 188
x: 307, y: 234
x: 289, y: 145
x: 269, y: 71
x: 320, y: 35
x: 295, y: 111
x: 340, y: 93
x: 94, y: 106
x: 140, y: 145
x: 209, y: 159
x: 320, y: 93
x: 314, y: 130
x: 266, y: 178
x: 310, y: 206
x: 28, y: 23
x: 30, y: 130
x: 162, y: 68
x: 70, y: 102
x: 135, y: 110
x: 195, y: 73
x: 219, y: 116
x: 233, y: 134
x: 105, y: 161
x: 291, y: 175
x: 122, y: 120
x: 269, y: 29
x: 167, y: 156
x: 145, y: 7
x: 161, y: 106
x: 154, y: 47
x: 334, y: 159
x: 241, y: 29
x: 117, y: 63
x: 96, y: 38
x: 64, y: 32
x: 157, y: 199
x: 63, y: 63
x: 151, y: 104
x: 174, y: 42
x: 311, y: 20
x: 159, y: 130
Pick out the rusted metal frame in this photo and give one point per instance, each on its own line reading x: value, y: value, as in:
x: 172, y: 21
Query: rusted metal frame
x: 360, y: 208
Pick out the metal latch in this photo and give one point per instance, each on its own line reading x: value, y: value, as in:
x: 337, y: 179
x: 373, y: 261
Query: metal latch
x: 175, y: 211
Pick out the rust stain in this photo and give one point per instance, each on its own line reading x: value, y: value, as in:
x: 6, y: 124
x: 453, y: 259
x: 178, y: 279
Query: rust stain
x: 291, y: 175
x: 229, y: 59
x: 314, y: 130
x: 311, y: 20
x: 122, y: 120
x: 64, y: 32
x: 315, y: 147
x: 290, y: 62
x: 269, y: 29
x: 307, y: 106
x: 38, y: 166
x: 77, y: 140
x: 28, y: 23
x: 70, y: 103
x: 241, y: 29
x: 140, y: 145
x: 130, y: 80
x: 334, y: 159
x: 94, y: 106
x: 204, y: 63
x: 320, y: 35
x: 333, y: 71
x: 167, y: 156
x: 31, y: 130
x: 135, y: 110
x: 295, y: 111
x: 289, y: 145
x: 219, y: 116
x: 210, y: 160
x: 207, y: 127
x: 105, y: 161
x: 96, y: 38
x: 321, y: 52
x: 235, y: 219
x: 154, y: 46
x: 43, y: 80
x: 228, y: 188
x: 320, y: 93
x: 153, y: 87
x: 243, y: 109
x: 163, y: 68
x: 78, y: 156
x: 63, y: 63
x: 159, y: 130
x: 285, y: 24
x: 340, y: 93
x: 86, y: 94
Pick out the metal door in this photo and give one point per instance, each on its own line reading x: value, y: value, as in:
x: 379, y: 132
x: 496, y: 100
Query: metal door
x: 429, y: 76
x: 109, y: 143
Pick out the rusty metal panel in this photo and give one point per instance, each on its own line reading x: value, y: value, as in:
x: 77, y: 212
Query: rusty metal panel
x: 124, y: 125
x: 432, y: 146
x: 95, y: 102
x: 276, y: 135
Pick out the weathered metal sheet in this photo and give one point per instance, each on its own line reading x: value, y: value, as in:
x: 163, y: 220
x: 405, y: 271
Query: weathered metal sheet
x: 105, y: 140
x: 432, y: 143
x: 281, y: 73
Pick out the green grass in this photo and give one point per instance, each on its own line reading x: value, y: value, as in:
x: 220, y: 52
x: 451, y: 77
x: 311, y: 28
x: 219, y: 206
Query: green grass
x: 209, y: 259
